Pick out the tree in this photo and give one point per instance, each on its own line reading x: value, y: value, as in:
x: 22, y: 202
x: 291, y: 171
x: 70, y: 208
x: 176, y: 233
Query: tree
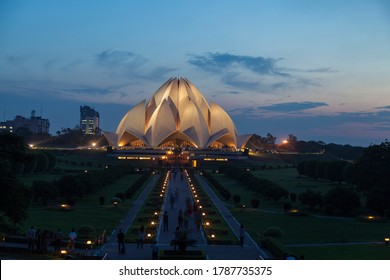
x: 275, y: 191
x: 335, y: 170
x: 373, y: 167
x: 236, y: 198
x: 311, y: 198
x: 344, y: 199
x: 44, y: 190
x: 321, y: 169
x: 311, y: 168
x: 378, y: 199
x: 301, y: 168
x: 293, y: 196
x: 183, y: 240
x: 42, y: 162
x: 255, y: 203
x: 14, y: 198
x: 71, y: 187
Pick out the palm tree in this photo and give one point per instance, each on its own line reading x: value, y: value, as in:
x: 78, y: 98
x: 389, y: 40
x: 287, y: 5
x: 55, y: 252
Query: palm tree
x: 183, y: 240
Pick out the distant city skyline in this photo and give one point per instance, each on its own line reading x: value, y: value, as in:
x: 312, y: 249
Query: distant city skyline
x: 315, y: 69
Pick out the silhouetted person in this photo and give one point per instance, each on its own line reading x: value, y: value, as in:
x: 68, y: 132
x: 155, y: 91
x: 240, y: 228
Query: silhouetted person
x: 31, y: 235
x: 58, y: 236
x: 141, y: 237
x: 72, y: 236
x: 165, y: 221
x: 155, y: 250
x: 120, y: 237
x: 242, y: 235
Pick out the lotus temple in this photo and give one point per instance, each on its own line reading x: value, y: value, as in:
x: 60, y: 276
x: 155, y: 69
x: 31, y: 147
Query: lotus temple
x: 177, y: 115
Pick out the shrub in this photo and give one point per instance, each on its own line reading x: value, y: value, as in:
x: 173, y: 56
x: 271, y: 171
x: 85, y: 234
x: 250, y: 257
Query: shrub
x: 286, y: 206
x: 236, y: 198
x: 120, y: 195
x: 255, y: 203
x: 293, y: 196
x: 273, y: 232
x: 277, y: 249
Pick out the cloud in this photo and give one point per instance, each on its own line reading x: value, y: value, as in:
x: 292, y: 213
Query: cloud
x: 222, y: 62
x: 119, y: 59
x: 383, y: 108
x: 254, y: 73
x: 161, y: 72
x: 315, y: 70
x: 293, y: 106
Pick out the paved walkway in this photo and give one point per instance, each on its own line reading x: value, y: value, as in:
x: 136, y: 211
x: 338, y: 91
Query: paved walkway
x: 179, y: 188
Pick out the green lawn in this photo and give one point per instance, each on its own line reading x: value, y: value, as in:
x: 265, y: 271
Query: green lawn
x: 307, y: 229
x: 345, y: 252
x: 288, y: 178
x: 87, y: 211
x: 29, y: 179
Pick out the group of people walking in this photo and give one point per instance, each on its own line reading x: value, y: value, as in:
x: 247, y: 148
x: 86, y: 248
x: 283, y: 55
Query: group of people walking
x: 39, y: 241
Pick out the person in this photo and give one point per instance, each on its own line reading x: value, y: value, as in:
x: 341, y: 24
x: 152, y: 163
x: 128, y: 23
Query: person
x: 176, y: 238
x: 72, y: 240
x: 121, y: 241
x: 242, y: 235
x: 155, y: 250
x: 186, y: 218
x: 177, y: 195
x: 172, y: 200
x: 165, y: 221
x: 45, y: 241
x: 198, y: 219
x: 180, y: 218
x: 141, y: 237
x: 31, y: 239
x: 57, y: 241
x: 37, y: 240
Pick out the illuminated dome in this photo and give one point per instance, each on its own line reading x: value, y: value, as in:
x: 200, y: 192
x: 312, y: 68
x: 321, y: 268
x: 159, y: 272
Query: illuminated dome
x: 176, y: 115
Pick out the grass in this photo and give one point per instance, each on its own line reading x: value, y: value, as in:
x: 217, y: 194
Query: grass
x: 307, y: 229
x: 87, y: 211
x: 146, y: 215
x: 218, y: 226
x: 29, y: 179
x: 345, y: 252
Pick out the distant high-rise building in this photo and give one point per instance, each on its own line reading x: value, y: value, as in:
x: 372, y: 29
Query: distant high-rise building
x: 34, y: 124
x: 89, y: 120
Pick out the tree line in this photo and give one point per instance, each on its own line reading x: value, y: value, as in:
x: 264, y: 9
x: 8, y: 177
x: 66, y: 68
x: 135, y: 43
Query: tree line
x: 367, y: 176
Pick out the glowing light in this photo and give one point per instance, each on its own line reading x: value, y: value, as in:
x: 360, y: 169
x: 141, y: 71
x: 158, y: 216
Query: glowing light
x: 89, y: 242
x: 64, y: 252
x: 213, y: 236
x: 149, y: 235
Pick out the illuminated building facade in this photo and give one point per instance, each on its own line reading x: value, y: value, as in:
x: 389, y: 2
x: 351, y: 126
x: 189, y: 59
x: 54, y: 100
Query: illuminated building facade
x: 89, y: 120
x: 177, y: 115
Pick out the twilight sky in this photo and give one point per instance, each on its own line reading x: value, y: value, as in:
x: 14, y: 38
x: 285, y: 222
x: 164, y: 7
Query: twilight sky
x: 317, y: 69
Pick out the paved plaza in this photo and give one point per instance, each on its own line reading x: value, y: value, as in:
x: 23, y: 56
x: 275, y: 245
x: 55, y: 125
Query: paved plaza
x: 178, y: 185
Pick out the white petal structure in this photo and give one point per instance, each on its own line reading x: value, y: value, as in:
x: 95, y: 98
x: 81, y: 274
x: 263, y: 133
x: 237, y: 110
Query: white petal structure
x: 176, y: 115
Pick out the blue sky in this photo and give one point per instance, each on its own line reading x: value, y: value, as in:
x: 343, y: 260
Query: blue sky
x: 317, y: 69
